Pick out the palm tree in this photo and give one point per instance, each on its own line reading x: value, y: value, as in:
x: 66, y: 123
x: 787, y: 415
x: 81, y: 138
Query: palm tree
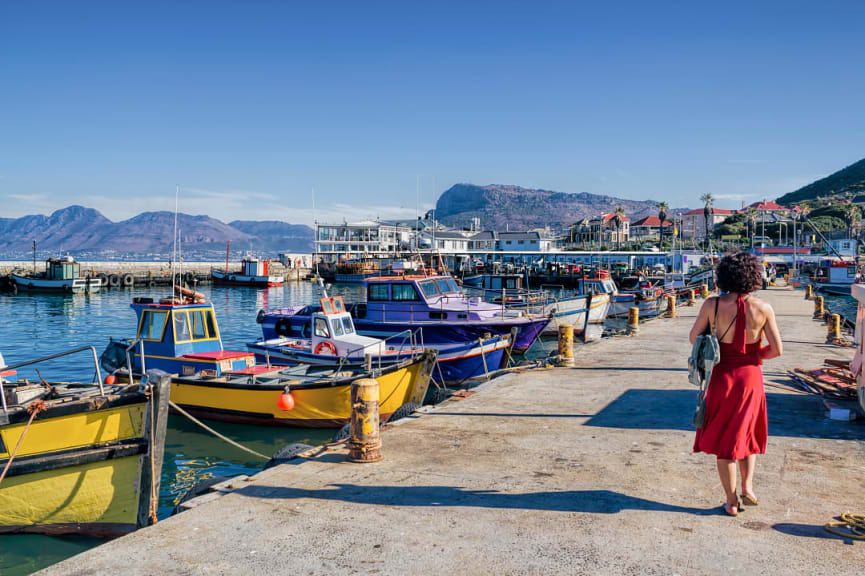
x: 618, y: 219
x: 751, y: 215
x: 662, y: 215
x: 851, y: 215
x: 708, y: 211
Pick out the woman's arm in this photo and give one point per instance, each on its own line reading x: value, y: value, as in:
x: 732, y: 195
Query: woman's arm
x: 703, y: 319
x: 773, y: 336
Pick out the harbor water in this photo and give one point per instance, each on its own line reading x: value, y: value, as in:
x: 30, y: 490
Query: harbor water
x: 34, y: 325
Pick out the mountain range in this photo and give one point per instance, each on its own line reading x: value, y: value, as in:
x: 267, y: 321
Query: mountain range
x: 500, y: 206
x: 77, y: 229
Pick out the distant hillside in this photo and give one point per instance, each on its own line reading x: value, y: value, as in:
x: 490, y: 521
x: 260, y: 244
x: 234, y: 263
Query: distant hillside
x: 519, y: 208
x: 76, y: 229
x: 849, y: 180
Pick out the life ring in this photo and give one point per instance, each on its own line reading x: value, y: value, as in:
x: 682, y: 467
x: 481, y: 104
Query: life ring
x: 325, y: 344
x: 283, y: 327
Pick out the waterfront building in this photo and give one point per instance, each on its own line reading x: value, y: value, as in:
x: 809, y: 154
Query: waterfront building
x: 373, y: 239
x: 649, y: 228
x: 604, y: 230
x: 694, y: 222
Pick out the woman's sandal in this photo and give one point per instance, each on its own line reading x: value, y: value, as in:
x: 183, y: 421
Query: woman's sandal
x: 728, y: 511
x: 749, y: 500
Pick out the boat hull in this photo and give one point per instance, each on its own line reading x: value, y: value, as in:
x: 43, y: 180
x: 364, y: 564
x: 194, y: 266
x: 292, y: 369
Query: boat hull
x: 220, y: 278
x: 649, y: 307
x: 455, y: 363
x: 573, y: 311
x: 325, y: 404
x: 73, y: 286
x: 837, y: 289
x: 83, y: 466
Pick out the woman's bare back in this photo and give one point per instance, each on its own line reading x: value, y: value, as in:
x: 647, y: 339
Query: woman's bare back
x: 755, y: 318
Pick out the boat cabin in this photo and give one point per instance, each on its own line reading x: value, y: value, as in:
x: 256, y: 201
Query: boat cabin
x: 65, y: 269
x: 183, y: 339
x: 599, y: 283
x: 333, y: 332
x: 254, y: 267
x: 836, y: 272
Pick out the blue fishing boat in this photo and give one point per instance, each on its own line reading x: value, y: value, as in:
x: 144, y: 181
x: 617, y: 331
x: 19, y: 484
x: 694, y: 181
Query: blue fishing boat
x: 335, y: 343
x: 433, y: 304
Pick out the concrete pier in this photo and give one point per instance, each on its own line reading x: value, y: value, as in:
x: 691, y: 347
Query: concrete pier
x: 582, y: 470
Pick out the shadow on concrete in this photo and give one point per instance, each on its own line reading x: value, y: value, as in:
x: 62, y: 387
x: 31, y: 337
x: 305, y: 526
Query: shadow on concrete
x: 629, y: 369
x: 793, y: 415
x: 808, y: 531
x: 589, y: 501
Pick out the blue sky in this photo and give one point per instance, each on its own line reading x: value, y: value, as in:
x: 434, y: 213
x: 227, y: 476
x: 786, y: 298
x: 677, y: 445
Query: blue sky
x: 248, y: 106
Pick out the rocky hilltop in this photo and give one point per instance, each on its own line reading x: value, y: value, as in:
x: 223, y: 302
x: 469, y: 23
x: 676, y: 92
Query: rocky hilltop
x: 849, y: 180
x: 500, y: 206
x: 77, y: 229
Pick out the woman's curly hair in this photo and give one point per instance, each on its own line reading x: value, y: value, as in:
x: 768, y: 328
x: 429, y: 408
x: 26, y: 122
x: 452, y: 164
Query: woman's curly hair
x: 740, y: 272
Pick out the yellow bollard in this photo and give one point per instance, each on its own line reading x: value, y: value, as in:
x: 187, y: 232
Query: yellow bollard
x: 835, y: 327
x: 704, y: 290
x: 809, y: 292
x: 566, y: 345
x: 818, y: 307
x: 671, y: 305
x: 633, y: 319
x: 692, y: 297
x: 365, y: 442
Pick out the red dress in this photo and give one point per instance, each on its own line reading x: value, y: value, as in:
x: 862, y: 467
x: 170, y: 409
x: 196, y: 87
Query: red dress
x: 735, y: 424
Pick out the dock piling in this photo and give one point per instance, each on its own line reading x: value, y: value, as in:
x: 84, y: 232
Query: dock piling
x: 704, y: 290
x: 818, y: 306
x: 809, y: 292
x: 834, y: 328
x: 365, y: 443
x: 633, y: 319
x: 671, y: 305
x: 566, y: 345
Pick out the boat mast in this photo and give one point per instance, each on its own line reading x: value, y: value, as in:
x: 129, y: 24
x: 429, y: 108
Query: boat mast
x: 174, y: 248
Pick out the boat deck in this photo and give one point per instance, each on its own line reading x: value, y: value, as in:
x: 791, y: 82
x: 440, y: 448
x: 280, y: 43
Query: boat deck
x: 562, y: 471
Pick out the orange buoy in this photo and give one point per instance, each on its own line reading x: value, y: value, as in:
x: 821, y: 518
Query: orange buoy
x: 285, y: 402
x: 110, y: 380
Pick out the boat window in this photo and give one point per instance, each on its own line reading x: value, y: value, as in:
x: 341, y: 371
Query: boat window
x: 211, y: 324
x: 347, y: 324
x: 321, y: 328
x: 496, y: 283
x: 511, y: 283
x: 435, y: 315
x: 453, y: 285
x: 443, y: 286
x: 198, y: 330
x: 181, y: 326
x: 153, y: 324
x: 377, y: 292
x: 429, y: 288
x: 336, y: 326
x: 404, y: 292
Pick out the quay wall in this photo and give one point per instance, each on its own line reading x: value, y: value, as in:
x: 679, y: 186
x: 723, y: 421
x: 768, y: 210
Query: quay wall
x: 156, y: 269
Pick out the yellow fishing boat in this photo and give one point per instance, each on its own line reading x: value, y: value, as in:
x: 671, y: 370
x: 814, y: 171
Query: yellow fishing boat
x: 80, y: 458
x: 320, y: 396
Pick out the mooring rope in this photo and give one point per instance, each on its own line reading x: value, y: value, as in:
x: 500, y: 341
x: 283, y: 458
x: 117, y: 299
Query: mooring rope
x: 34, y: 409
x: 854, y: 523
x: 215, y: 433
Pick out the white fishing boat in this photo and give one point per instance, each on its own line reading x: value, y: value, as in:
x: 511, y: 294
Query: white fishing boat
x: 61, y: 275
x: 836, y: 276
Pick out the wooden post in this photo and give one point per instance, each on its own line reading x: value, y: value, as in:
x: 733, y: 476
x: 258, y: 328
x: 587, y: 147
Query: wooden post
x: 692, y: 297
x: 671, y: 305
x: 155, y: 423
x: 365, y: 442
x: 566, y: 345
x: 633, y: 319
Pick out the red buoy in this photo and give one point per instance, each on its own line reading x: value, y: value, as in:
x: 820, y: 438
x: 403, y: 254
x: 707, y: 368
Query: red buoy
x: 285, y: 402
x: 110, y: 380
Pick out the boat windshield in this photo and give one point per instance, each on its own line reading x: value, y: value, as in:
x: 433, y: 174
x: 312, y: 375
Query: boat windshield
x: 336, y: 325
x: 347, y: 325
x: 429, y: 288
x: 321, y: 328
x: 446, y: 285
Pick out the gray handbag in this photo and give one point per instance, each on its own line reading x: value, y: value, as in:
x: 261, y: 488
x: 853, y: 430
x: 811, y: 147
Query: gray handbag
x: 705, y: 353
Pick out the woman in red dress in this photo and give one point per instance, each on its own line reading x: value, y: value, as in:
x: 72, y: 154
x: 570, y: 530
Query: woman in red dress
x: 735, y: 427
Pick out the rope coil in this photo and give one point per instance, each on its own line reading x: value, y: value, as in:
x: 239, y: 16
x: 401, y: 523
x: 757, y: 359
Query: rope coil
x: 853, y: 523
